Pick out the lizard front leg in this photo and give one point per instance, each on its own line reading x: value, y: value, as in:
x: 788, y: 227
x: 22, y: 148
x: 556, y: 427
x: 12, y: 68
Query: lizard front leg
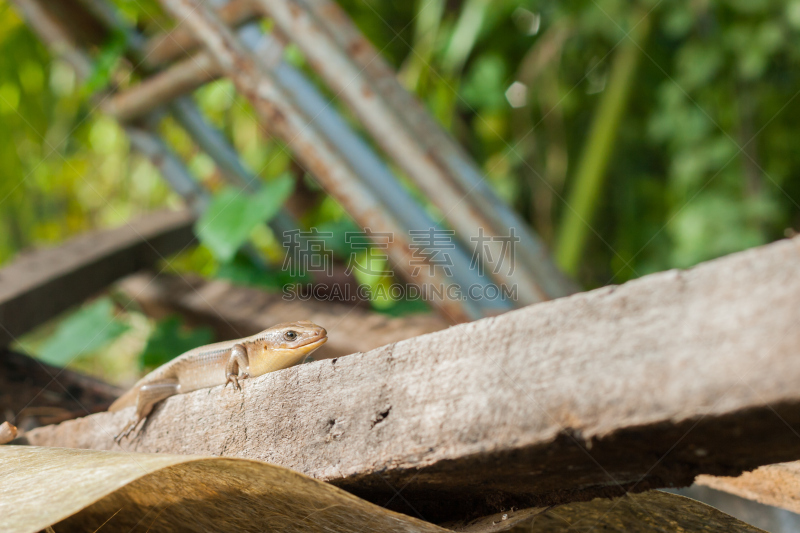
x: 238, y: 366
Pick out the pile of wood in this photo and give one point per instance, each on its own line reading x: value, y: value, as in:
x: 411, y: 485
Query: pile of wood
x: 599, y: 395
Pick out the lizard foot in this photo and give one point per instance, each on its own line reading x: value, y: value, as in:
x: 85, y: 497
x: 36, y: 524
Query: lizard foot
x: 234, y: 378
x: 130, y: 426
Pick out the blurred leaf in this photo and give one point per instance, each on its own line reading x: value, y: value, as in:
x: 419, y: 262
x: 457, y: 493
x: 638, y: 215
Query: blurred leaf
x: 233, y: 214
x: 106, y: 61
x: 485, y: 87
x: 714, y: 225
x: 337, y: 240
x: 241, y: 271
x: 698, y: 63
x: 464, y: 35
x: 84, y: 331
x: 403, y: 307
x: 169, y: 340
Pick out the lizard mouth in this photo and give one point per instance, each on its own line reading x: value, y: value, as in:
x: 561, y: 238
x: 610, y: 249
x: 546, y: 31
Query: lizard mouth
x: 313, y: 345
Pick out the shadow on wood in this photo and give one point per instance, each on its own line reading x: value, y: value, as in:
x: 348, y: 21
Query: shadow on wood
x: 33, y: 393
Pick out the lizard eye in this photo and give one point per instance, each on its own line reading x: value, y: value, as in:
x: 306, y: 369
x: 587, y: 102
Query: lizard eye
x: 290, y: 335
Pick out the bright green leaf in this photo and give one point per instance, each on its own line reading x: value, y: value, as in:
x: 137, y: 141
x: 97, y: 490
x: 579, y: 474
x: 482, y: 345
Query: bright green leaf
x: 85, y: 331
x: 233, y: 214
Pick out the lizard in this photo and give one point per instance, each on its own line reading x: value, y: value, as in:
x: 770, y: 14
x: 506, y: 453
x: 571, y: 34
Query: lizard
x: 275, y: 348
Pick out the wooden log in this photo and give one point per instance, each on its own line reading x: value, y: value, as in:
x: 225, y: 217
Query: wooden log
x: 33, y: 393
x: 39, y: 285
x: 179, y: 42
x: 240, y: 311
x: 161, y: 88
x: 619, y: 389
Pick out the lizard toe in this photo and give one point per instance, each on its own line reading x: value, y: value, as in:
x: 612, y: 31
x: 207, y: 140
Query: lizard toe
x: 233, y: 378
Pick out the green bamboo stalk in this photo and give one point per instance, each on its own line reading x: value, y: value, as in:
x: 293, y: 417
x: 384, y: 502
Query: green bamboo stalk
x: 593, y: 163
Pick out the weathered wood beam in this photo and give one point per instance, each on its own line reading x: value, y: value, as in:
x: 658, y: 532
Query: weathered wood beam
x: 178, y: 42
x: 240, y: 311
x: 620, y: 389
x: 33, y: 393
x: 162, y: 88
x: 435, y: 141
x: 39, y: 285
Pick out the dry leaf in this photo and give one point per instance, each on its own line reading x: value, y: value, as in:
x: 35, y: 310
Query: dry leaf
x: 83, y: 490
x: 647, y: 512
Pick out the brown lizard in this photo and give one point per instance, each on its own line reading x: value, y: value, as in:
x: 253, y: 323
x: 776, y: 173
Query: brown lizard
x: 276, y: 348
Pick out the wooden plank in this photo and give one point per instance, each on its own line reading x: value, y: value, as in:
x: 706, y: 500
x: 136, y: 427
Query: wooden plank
x: 240, y: 311
x: 39, y: 285
x: 33, y: 393
x: 620, y: 389
x: 777, y: 485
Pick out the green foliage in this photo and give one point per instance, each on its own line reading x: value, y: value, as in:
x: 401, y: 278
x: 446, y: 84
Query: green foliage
x: 83, y: 332
x: 233, y: 215
x: 703, y: 161
x: 170, y: 339
x: 65, y: 169
x: 242, y: 271
x: 105, y: 63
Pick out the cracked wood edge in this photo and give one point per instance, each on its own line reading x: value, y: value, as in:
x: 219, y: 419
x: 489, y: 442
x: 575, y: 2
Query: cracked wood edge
x: 623, y: 388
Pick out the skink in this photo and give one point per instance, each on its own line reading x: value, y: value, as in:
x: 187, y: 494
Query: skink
x: 226, y: 362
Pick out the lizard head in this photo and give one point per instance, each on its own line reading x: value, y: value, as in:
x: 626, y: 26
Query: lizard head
x: 293, y: 340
